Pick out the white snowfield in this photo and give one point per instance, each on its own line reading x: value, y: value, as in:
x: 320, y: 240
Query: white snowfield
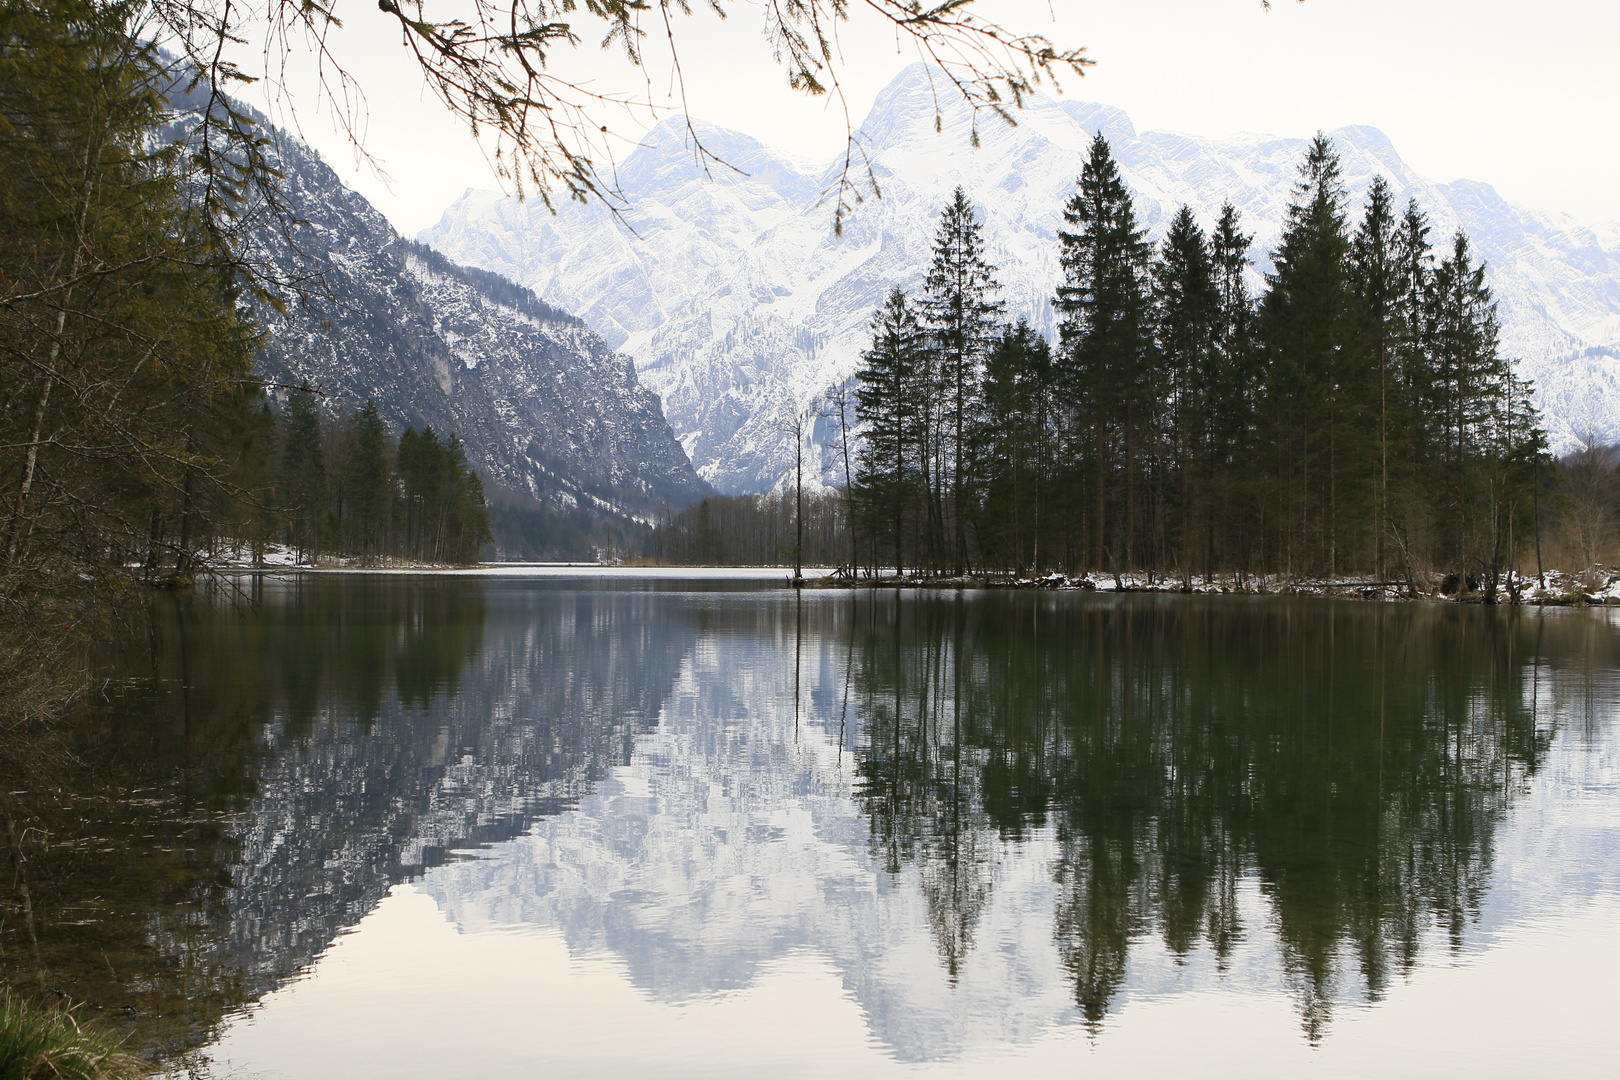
x: 738, y: 301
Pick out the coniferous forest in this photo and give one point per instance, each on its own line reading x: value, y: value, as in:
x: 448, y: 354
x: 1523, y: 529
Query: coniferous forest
x: 349, y: 488
x: 1356, y: 418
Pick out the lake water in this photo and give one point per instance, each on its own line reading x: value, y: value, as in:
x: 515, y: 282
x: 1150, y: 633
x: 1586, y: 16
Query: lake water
x: 517, y: 826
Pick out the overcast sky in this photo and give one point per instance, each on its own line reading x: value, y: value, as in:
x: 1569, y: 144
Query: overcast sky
x: 1522, y: 94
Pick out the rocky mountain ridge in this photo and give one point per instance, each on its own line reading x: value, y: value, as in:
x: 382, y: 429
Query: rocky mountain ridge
x: 740, y: 302
x: 545, y: 408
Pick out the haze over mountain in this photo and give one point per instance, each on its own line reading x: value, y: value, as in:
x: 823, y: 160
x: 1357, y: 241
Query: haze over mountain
x: 738, y: 301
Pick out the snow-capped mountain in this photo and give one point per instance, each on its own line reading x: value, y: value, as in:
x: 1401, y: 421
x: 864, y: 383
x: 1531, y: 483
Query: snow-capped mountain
x: 542, y: 404
x: 739, y: 302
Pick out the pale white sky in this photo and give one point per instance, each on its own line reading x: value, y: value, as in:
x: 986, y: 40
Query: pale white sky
x: 1522, y: 94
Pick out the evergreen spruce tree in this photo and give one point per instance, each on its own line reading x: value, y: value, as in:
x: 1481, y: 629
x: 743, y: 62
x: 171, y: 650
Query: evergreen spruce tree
x: 1415, y: 273
x: 1303, y: 328
x: 301, y: 485
x: 1376, y: 287
x: 1187, y: 325
x: 409, y: 510
x: 1014, y: 447
x: 422, y: 479
x: 1105, y: 362
x: 1234, y: 395
x: 365, y: 478
x: 889, y: 464
x: 960, y: 315
x: 1517, y: 458
x: 1470, y: 382
x: 466, y: 519
x: 1414, y: 449
x: 1229, y: 255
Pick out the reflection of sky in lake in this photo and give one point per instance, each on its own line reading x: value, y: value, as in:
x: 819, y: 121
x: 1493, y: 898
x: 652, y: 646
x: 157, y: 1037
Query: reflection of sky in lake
x: 717, y: 906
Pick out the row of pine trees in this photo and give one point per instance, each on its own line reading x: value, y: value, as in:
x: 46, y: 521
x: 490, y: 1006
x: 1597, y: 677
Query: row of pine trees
x: 1355, y: 418
x: 349, y: 488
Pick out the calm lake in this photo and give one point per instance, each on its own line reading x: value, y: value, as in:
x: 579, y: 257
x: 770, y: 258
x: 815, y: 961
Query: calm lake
x: 518, y: 826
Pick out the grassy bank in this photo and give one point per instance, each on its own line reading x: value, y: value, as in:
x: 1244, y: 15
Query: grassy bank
x: 47, y: 1043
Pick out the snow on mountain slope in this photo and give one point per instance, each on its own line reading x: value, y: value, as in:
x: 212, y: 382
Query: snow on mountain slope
x: 541, y: 403
x: 738, y: 301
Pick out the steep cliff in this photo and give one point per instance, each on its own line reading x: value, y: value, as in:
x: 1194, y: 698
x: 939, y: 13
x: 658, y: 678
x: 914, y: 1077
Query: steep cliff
x: 544, y: 406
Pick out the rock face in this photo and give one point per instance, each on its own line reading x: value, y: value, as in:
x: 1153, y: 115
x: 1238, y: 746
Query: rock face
x: 542, y: 403
x: 738, y: 301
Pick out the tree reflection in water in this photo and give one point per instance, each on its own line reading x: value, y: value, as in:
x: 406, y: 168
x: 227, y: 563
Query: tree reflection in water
x: 270, y: 763
x: 265, y: 772
x: 1355, y: 759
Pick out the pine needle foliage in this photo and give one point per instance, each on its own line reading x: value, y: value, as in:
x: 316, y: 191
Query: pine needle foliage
x: 1354, y: 418
x: 346, y: 488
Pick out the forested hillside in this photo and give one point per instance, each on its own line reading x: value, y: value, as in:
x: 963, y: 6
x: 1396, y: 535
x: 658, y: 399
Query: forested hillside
x: 548, y: 414
x: 164, y: 256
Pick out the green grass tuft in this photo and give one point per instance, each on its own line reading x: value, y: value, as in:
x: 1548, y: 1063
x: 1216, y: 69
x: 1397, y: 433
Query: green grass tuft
x: 48, y: 1043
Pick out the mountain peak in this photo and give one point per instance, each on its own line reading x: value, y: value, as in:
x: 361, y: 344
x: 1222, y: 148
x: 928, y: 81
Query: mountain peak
x: 737, y: 298
x: 1109, y: 121
x: 908, y: 106
x: 904, y: 113
x: 681, y: 149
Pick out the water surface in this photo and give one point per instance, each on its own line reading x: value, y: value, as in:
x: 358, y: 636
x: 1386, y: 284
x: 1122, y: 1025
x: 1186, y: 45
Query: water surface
x: 394, y: 826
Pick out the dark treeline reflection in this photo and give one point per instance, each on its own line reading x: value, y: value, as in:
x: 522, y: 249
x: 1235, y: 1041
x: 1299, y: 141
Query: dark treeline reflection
x: 270, y: 762
x: 1354, y: 760
x: 266, y: 764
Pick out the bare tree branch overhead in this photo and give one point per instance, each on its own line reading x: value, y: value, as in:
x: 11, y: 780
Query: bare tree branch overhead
x: 490, y: 63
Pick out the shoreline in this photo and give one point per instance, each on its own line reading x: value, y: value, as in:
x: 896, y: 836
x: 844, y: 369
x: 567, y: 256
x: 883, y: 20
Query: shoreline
x: 1594, y: 587
x: 534, y: 570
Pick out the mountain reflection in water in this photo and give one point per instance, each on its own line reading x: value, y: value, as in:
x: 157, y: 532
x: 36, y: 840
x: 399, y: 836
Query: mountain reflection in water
x: 990, y: 814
